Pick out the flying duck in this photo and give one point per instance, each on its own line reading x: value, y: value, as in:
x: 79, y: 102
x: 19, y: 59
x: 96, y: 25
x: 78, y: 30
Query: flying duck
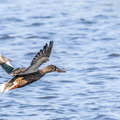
x: 26, y: 76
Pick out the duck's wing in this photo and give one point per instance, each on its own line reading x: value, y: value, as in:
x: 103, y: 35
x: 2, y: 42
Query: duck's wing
x: 18, y: 71
x: 40, y: 58
x: 5, y: 64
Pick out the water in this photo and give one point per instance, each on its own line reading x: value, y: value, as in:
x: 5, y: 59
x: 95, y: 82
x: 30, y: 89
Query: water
x: 86, y: 42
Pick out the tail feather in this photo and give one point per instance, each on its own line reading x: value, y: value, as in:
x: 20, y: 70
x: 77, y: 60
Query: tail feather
x: 2, y: 88
x: 6, y: 87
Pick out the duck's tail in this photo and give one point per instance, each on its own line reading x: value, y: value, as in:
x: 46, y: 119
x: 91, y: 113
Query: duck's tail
x: 8, y: 86
x: 2, y: 88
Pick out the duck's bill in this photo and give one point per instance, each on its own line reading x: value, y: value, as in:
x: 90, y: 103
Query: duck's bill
x: 59, y: 70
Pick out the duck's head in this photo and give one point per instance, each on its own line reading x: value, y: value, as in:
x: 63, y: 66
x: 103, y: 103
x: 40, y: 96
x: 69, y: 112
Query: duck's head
x: 52, y: 68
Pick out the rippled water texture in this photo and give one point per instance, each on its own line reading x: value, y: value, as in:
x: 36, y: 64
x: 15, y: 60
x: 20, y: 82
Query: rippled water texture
x: 86, y: 36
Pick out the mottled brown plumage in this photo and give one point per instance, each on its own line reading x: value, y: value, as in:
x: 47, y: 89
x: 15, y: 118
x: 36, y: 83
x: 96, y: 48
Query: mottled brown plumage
x: 18, y: 71
x: 24, y: 80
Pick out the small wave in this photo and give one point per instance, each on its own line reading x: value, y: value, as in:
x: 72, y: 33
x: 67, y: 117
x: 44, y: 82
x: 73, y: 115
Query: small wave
x: 114, y: 55
x: 6, y: 37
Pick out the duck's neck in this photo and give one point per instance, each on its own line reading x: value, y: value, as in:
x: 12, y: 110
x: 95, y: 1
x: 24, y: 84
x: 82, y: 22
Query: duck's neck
x: 42, y: 71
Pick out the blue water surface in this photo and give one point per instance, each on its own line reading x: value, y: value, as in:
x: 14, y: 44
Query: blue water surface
x: 86, y: 35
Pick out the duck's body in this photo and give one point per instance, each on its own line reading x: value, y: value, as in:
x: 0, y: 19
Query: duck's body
x: 26, y: 76
x: 27, y: 79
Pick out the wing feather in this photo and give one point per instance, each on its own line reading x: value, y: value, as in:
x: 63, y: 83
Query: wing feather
x: 40, y: 58
x: 5, y: 64
x: 18, y: 71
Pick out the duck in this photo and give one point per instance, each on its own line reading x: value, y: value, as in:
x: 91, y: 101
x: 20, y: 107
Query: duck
x: 22, y: 77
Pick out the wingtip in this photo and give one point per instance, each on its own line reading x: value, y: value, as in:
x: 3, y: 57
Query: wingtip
x: 51, y: 43
x: 3, y: 59
x: 50, y: 47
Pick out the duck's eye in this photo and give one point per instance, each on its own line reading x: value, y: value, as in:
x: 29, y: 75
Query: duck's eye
x: 54, y: 68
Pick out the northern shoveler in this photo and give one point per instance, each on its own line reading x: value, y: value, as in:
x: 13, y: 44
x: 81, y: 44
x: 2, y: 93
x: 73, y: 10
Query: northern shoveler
x: 26, y: 76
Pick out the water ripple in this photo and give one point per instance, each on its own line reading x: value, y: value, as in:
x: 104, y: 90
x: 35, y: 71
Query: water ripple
x: 86, y: 43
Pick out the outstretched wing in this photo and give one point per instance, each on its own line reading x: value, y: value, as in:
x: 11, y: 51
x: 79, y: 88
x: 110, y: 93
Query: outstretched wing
x: 5, y: 64
x: 40, y: 58
x: 8, y: 67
